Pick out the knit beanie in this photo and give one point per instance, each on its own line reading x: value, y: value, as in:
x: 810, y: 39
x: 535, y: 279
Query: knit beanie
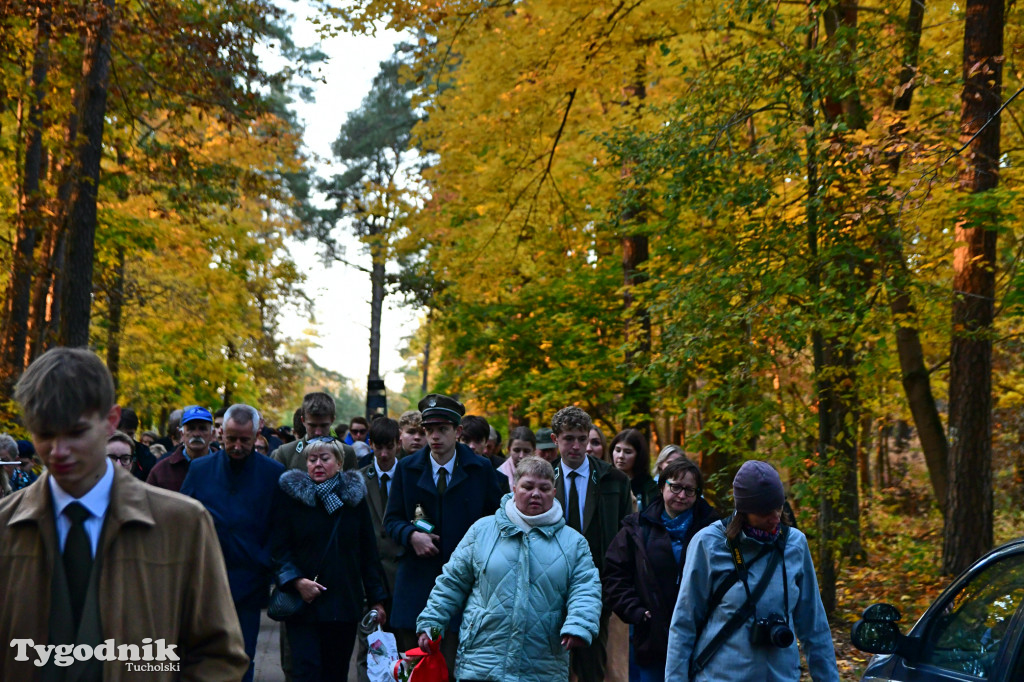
x: 757, y: 488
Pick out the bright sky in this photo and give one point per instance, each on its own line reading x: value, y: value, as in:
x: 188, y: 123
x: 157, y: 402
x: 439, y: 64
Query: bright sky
x: 341, y: 294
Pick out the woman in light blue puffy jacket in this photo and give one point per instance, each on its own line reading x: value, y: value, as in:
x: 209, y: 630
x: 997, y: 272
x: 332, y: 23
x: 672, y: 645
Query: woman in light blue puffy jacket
x: 526, y: 583
x: 748, y: 587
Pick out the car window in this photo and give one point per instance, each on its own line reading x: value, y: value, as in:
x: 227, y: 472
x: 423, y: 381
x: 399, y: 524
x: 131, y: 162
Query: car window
x: 967, y: 635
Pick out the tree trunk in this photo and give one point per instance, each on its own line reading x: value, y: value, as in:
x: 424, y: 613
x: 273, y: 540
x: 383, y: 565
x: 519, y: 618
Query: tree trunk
x: 968, y: 527
x: 115, y: 304
x: 376, y: 397
x: 916, y: 379
x: 864, y: 453
x: 635, y: 252
x: 842, y: 16
x: 46, y: 291
x: 77, y: 293
x: 426, y: 362
x: 14, y: 357
x: 49, y: 284
x: 839, y: 394
x: 882, y: 453
x: 835, y: 359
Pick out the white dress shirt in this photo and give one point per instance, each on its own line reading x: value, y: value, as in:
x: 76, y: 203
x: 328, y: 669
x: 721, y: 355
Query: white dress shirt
x: 390, y: 473
x: 581, y: 483
x: 95, y: 501
x: 449, y: 467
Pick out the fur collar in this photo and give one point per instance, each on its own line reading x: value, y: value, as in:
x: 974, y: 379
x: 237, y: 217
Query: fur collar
x: 299, y: 486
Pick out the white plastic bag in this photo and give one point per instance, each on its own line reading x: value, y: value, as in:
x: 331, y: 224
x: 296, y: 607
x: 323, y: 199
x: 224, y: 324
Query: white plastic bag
x: 381, y: 656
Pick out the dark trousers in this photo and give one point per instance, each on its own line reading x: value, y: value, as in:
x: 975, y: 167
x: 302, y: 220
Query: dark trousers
x: 321, y: 651
x: 409, y: 639
x: 286, y: 652
x: 590, y: 663
x: 249, y: 619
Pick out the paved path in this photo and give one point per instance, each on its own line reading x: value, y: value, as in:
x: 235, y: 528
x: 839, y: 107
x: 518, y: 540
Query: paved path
x: 268, y: 654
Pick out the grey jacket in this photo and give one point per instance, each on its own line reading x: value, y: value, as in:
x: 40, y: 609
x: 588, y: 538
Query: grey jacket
x: 708, y: 562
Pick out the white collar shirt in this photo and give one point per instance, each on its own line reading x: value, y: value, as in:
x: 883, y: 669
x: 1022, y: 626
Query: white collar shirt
x: 449, y: 467
x: 96, y: 501
x: 390, y: 472
x: 581, y: 481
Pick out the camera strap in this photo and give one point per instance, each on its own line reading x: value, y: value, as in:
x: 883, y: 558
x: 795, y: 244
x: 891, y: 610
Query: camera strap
x: 701, y: 660
x: 727, y: 582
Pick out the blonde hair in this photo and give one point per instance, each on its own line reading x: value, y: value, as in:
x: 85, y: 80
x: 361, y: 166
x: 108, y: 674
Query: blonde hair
x: 332, y: 446
x: 534, y: 466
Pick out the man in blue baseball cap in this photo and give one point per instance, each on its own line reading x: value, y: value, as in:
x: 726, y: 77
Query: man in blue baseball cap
x: 196, y: 436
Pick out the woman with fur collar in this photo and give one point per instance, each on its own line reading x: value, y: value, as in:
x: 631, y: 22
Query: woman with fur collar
x: 325, y: 549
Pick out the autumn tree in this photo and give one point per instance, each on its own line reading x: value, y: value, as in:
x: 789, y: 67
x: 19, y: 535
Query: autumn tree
x: 784, y: 172
x: 371, y: 197
x: 968, y: 525
x: 192, y: 188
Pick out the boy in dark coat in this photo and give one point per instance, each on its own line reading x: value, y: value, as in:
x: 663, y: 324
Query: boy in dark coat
x: 596, y: 497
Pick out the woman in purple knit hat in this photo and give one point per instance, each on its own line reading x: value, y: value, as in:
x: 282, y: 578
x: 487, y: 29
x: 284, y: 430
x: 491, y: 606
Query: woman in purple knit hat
x: 748, y: 592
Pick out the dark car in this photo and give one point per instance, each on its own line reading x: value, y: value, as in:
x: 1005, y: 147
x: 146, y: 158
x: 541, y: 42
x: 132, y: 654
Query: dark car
x: 973, y: 631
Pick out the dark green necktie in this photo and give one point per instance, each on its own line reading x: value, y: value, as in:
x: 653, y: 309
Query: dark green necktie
x: 442, y: 481
x: 574, y: 503
x: 384, y: 490
x: 77, y: 558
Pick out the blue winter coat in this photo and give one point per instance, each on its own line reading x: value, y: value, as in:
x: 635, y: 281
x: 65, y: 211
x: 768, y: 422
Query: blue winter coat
x: 472, y: 494
x: 242, y: 503
x: 521, y: 593
x: 707, y: 563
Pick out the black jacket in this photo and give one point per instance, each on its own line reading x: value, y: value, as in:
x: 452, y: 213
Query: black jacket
x: 472, y: 494
x: 350, y: 570
x: 609, y: 501
x: 641, y: 574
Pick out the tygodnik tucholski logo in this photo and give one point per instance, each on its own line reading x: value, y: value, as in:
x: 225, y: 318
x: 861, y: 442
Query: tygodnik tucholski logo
x: 150, y: 656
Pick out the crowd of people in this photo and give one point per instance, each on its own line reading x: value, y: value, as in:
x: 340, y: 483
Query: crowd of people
x: 509, y: 561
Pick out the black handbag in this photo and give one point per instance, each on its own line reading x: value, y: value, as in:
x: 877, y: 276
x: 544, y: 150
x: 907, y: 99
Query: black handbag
x: 283, y: 605
x: 286, y: 603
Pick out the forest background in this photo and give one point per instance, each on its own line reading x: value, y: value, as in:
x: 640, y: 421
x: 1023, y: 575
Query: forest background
x: 761, y: 229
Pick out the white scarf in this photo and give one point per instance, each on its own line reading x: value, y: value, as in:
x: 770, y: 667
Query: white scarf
x: 551, y: 516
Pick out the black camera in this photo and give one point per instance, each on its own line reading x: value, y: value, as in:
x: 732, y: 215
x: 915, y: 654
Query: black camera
x: 772, y: 630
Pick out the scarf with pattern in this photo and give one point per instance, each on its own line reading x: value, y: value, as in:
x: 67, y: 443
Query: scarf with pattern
x: 327, y: 493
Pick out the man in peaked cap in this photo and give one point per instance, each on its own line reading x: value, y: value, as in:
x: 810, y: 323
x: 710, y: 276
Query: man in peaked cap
x: 437, y: 493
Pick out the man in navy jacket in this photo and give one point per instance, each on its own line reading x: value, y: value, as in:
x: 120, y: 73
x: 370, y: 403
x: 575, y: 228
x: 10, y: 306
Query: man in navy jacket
x: 236, y: 485
x: 437, y: 494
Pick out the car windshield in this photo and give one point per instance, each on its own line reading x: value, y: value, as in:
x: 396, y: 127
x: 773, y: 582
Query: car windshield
x: 967, y: 635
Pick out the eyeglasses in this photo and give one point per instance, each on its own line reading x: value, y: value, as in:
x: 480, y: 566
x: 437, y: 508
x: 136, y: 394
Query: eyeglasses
x: 322, y: 439
x: 123, y: 459
x: 357, y: 432
x: 676, y: 488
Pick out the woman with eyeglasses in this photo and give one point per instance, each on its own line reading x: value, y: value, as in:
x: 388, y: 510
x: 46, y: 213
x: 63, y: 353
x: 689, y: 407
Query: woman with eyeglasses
x: 121, y: 449
x: 645, y: 560
x: 325, y: 549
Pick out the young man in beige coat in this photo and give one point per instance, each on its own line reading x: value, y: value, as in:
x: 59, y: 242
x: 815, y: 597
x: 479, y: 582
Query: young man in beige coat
x: 99, y: 569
